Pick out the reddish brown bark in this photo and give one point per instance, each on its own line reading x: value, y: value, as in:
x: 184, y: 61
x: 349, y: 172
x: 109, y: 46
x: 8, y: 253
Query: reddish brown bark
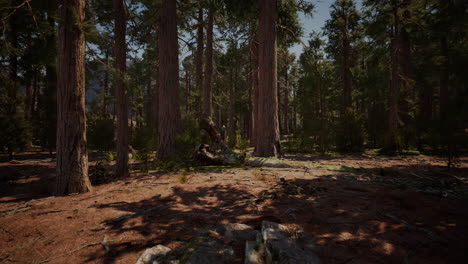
x: 207, y: 88
x: 268, y: 139
x: 121, y: 98
x: 232, y: 125
x: 168, y: 92
x: 199, y: 58
x: 286, y: 103
x: 72, y: 157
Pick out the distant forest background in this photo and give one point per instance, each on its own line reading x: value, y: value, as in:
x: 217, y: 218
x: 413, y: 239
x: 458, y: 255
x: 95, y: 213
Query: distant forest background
x: 392, y: 76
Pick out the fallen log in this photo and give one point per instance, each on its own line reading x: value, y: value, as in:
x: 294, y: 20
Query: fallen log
x: 218, y: 152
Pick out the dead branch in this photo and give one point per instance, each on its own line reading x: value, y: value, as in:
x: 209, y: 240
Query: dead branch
x: 18, y: 209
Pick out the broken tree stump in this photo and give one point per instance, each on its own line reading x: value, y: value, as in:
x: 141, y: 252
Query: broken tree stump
x: 218, y: 153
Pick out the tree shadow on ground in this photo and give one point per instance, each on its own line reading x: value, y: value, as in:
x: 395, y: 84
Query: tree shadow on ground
x: 353, y: 222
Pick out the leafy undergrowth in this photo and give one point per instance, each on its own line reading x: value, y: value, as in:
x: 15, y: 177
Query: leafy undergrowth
x: 360, y: 209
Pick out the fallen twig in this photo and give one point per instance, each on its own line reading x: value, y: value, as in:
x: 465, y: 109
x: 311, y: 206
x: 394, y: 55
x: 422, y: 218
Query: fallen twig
x: 18, y: 209
x: 48, y: 212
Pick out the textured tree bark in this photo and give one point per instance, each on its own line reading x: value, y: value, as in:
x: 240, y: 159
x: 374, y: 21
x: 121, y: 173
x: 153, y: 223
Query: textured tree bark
x: 199, y: 60
x: 286, y: 103
x: 168, y: 93
x: 250, y: 116
x: 254, y: 85
x: 232, y: 125
x: 294, y: 112
x: 268, y: 139
x: 393, y: 119
x: 208, y: 82
x: 120, y: 50
x: 280, y: 107
x: 187, y: 91
x: 72, y: 157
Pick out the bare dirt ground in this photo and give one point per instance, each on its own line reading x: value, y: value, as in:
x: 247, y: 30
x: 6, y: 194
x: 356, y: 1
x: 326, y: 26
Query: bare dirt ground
x: 360, y: 209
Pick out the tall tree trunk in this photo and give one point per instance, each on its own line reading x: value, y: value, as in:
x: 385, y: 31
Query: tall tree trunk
x: 199, y: 59
x: 231, y: 110
x: 254, y: 85
x: 393, y: 119
x: 286, y: 103
x: 444, y: 78
x: 120, y: 50
x: 72, y: 157
x: 187, y: 91
x: 294, y: 113
x: 207, y: 88
x: 168, y: 94
x: 268, y: 139
x: 249, y: 116
x: 280, y: 116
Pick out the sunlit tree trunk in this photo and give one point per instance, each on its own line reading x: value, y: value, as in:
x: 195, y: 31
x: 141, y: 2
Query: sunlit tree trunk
x: 72, y: 157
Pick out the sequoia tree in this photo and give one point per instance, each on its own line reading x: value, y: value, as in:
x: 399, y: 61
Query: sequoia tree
x: 72, y: 157
x: 267, y: 141
x: 207, y: 88
x: 168, y: 93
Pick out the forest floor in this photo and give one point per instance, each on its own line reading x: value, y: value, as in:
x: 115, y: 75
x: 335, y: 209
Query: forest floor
x: 359, y: 208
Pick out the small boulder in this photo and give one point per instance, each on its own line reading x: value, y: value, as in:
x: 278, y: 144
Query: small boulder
x: 151, y: 255
x: 287, y: 245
